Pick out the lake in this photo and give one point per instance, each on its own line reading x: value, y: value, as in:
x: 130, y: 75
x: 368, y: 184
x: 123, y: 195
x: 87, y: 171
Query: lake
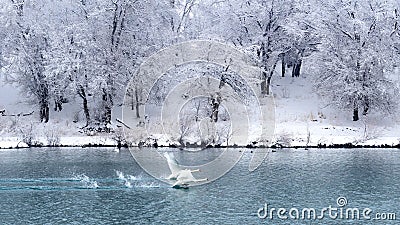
x: 100, y: 186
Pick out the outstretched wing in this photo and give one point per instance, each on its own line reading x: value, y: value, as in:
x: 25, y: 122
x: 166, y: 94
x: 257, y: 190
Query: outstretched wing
x: 172, y: 164
x: 186, y: 176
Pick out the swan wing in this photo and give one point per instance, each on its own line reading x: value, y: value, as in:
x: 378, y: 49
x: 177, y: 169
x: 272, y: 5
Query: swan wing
x: 173, y: 165
x: 186, y: 176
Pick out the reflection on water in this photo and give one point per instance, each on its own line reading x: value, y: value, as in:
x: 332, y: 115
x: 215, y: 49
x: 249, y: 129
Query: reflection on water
x: 92, y: 186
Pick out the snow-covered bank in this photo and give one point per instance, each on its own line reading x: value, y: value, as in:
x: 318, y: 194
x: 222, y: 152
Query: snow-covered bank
x: 15, y: 142
x: 290, y: 142
x: 12, y: 143
x: 301, y: 120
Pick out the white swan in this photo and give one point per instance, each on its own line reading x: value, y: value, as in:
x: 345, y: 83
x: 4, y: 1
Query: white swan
x: 183, y: 177
x: 173, y: 166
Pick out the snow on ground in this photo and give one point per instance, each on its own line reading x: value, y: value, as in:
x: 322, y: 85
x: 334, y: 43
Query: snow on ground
x: 302, y: 119
x: 12, y: 142
x: 63, y: 128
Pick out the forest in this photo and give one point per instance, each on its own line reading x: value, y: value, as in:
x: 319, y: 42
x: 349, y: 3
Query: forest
x: 86, y: 51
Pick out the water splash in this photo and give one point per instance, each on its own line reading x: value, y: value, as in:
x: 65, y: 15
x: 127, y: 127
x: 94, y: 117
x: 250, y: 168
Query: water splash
x: 86, y: 181
x: 130, y: 180
x: 120, y: 175
x: 125, y: 179
x: 131, y: 177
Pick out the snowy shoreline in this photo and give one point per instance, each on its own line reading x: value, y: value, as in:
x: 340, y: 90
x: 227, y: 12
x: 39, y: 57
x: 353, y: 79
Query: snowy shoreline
x: 300, y: 122
x: 102, y: 141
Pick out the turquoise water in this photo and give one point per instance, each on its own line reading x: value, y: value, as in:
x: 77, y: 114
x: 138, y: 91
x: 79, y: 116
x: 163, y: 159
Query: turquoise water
x: 99, y: 186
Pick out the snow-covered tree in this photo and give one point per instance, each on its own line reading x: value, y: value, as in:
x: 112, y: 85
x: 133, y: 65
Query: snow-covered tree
x: 56, y: 50
x: 24, y: 51
x: 301, y: 32
x: 99, y: 44
x: 271, y: 27
x: 356, y: 56
x: 395, y: 31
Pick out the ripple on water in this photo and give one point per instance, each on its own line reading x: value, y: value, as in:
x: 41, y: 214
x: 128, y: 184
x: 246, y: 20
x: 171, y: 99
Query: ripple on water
x: 93, y: 186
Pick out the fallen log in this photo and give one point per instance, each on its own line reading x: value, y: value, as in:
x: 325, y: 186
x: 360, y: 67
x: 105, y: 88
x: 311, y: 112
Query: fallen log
x: 3, y: 113
x: 120, y: 121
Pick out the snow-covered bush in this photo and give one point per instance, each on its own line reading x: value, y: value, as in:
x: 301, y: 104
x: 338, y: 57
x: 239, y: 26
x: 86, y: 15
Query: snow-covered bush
x: 52, y: 136
x: 3, y: 125
x: 134, y: 135
x: 119, y: 137
x: 284, y: 139
x: 27, y: 134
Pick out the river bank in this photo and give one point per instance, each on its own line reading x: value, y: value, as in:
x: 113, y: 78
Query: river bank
x: 298, y: 142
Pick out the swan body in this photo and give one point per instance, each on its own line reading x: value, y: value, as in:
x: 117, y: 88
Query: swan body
x: 173, y: 166
x: 183, y: 177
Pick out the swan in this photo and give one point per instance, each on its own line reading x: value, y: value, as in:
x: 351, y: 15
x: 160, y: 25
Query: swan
x: 183, y: 177
x: 173, y: 166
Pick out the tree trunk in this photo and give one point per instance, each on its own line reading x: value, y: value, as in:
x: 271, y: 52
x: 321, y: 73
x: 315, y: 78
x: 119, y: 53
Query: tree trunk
x: 264, y: 84
x: 107, y: 103
x: 86, y: 111
x: 57, y: 105
x: 215, y: 102
x: 268, y: 83
x: 283, y: 65
x: 43, y: 102
x: 59, y: 100
x: 366, y: 106
x: 107, y: 114
x: 132, y: 102
x: 197, y: 111
x: 293, y: 70
x: 355, y: 113
x: 137, y: 103
x: 297, y: 68
x: 82, y: 94
x: 44, y: 111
